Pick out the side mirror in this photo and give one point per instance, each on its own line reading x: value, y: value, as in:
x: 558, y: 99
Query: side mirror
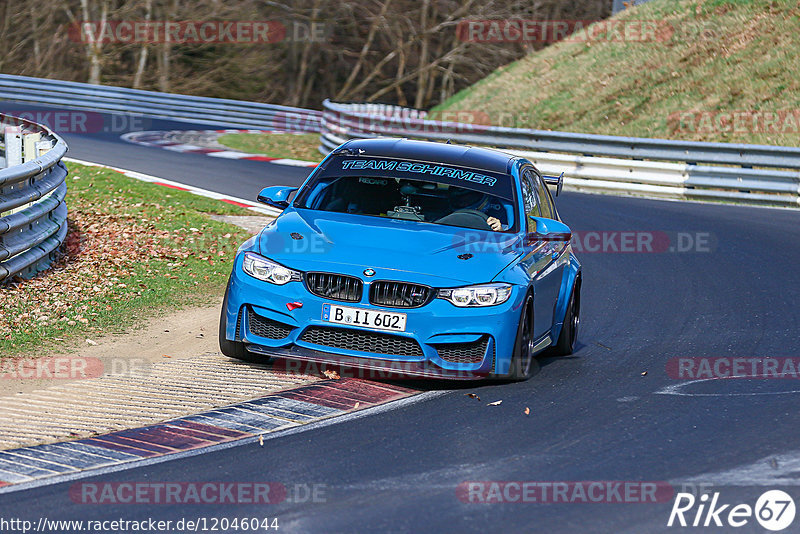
x: 276, y: 196
x: 548, y: 230
x: 557, y: 181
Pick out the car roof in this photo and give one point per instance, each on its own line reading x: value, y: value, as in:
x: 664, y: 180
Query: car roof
x: 458, y: 155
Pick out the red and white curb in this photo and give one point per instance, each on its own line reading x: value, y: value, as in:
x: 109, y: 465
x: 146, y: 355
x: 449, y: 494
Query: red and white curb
x: 205, y: 142
x: 277, y: 412
x: 236, y: 201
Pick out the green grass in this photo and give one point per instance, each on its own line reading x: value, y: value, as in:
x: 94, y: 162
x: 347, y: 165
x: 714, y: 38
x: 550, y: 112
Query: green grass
x: 134, y: 251
x: 300, y: 146
x: 718, y: 56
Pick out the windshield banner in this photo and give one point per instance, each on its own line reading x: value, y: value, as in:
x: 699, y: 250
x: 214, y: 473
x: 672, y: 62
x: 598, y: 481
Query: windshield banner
x: 479, y: 180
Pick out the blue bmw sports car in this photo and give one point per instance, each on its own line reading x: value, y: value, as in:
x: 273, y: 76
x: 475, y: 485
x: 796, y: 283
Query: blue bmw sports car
x: 426, y: 258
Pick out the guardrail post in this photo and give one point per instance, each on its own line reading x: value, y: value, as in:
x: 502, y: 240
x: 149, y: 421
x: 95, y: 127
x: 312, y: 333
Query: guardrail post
x: 42, y: 147
x: 29, y: 141
x: 13, y: 140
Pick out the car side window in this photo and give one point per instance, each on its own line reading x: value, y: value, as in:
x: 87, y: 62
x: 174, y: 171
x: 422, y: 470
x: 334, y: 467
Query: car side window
x: 530, y: 199
x: 548, y: 211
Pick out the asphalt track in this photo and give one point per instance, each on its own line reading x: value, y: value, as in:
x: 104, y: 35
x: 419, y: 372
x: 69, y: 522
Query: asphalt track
x: 593, y: 416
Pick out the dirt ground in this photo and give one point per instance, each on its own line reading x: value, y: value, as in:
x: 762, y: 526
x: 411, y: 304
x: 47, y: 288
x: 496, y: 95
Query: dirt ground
x: 177, y: 335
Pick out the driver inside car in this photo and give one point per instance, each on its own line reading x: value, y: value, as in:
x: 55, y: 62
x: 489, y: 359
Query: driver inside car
x: 464, y: 199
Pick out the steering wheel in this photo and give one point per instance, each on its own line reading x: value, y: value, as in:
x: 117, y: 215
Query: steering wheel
x: 470, y: 218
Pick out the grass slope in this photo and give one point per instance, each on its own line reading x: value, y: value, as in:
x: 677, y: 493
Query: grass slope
x: 712, y: 57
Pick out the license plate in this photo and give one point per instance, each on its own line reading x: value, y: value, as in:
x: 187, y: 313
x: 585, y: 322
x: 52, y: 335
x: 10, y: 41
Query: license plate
x: 377, y: 320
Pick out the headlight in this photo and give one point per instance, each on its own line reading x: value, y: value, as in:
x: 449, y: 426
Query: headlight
x: 476, y: 296
x: 269, y: 271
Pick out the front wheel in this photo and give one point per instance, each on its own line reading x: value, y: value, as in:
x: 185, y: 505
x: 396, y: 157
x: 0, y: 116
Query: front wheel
x: 572, y: 319
x: 522, y: 359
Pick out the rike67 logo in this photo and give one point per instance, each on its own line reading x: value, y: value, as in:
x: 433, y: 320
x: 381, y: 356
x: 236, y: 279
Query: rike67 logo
x: 774, y: 510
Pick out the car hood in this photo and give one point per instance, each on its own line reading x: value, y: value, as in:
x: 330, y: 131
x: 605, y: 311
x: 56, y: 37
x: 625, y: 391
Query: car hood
x: 439, y: 255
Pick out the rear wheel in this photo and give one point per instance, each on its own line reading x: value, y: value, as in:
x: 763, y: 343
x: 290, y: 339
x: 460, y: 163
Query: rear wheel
x: 522, y: 359
x: 572, y: 320
x: 234, y: 349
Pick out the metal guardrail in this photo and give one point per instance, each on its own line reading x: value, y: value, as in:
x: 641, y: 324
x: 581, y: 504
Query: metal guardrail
x: 183, y: 108
x: 597, y: 163
x: 33, y: 214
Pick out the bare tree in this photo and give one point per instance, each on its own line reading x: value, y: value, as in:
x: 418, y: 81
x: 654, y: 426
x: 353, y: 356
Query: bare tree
x: 94, y: 39
x: 402, y: 51
x: 137, y: 77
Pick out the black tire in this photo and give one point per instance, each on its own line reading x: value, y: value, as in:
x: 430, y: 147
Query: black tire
x: 523, y: 362
x: 234, y: 349
x: 572, y: 320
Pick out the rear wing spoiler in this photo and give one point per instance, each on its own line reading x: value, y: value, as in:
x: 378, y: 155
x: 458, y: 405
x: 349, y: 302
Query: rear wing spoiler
x: 557, y: 181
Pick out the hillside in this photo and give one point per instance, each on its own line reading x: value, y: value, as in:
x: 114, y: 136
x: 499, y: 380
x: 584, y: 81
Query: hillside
x: 719, y: 70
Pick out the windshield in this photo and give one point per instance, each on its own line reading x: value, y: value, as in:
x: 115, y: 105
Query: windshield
x: 414, y: 191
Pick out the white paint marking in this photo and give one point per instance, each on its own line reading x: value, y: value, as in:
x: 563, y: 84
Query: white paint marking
x: 293, y: 162
x: 230, y: 154
x: 183, y: 148
x: 675, y: 389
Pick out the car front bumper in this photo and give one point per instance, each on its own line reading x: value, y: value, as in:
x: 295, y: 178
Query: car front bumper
x: 441, y: 340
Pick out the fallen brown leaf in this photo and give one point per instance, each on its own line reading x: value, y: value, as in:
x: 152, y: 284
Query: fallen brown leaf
x: 473, y: 396
x: 333, y: 375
